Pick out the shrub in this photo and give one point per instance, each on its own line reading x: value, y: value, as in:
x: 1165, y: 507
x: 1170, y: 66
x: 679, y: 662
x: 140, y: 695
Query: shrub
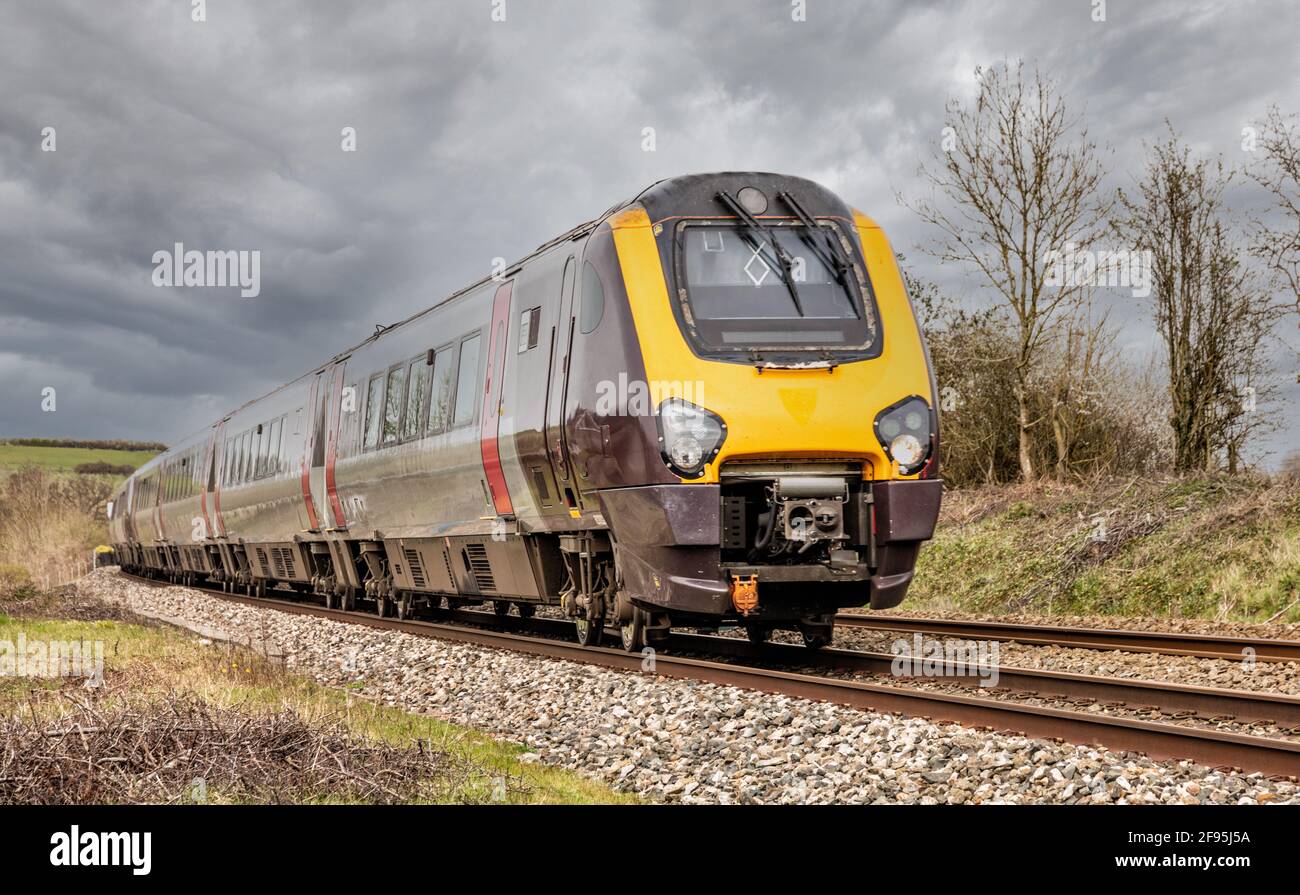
x: 101, y: 468
x: 91, y: 444
x: 48, y: 523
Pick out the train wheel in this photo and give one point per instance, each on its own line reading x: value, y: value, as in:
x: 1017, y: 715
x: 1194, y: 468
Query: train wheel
x: 501, y: 607
x: 402, y: 608
x: 757, y: 633
x: 589, y: 630
x: 632, y: 632
x: 347, y: 600
x: 384, y: 606
x: 815, y: 637
x: 527, y: 610
x: 331, y: 601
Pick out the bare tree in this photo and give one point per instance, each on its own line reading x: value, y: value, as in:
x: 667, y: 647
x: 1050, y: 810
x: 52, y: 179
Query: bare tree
x: 1072, y: 382
x: 1279, y: 173
x: 1209, y: 307
x: 1104, y: 413
x: 1019, y: 179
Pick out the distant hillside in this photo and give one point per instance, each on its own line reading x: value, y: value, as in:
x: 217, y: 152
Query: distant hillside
x: 109, y: 457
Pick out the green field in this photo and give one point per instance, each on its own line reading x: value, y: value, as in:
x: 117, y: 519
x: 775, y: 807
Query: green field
x: 61, y: 459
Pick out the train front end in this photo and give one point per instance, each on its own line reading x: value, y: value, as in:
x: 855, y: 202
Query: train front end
x: 795, y: 408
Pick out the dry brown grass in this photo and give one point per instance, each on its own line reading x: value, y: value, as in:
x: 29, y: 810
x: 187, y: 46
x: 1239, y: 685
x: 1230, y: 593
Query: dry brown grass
x: 174, y: 708
x: 48, y: 526
x: 96, y: 747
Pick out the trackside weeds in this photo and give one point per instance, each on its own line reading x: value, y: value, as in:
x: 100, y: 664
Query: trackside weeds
x: 40, y: 658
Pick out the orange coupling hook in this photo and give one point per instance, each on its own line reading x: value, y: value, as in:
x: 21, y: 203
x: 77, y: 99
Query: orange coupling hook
x: 744, y: 593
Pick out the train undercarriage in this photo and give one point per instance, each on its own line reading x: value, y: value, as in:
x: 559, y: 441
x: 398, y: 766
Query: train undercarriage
x: 765, y: 549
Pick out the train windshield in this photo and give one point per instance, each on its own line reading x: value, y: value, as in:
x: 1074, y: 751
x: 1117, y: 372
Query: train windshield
x: 763, y: 293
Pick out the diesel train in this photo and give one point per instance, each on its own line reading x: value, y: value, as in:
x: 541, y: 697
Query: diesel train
x: 712, y: 405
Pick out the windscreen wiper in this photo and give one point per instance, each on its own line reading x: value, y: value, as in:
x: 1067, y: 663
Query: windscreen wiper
x: 836, y: 261
x: 754, y: 234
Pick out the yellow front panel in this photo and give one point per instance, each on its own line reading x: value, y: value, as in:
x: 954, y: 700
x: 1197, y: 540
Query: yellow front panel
x: 780, y: 413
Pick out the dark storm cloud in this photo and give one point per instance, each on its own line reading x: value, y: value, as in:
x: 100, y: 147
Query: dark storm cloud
x: 479, y: 139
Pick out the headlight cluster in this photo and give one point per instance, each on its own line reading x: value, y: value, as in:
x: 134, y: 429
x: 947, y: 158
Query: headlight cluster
x: 904, y: 430
x: 689, y: 436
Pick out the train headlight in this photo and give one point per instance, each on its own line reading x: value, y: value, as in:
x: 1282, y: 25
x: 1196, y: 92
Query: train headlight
x: 905, y: 432
x: 906, y: 450
x: 689, y: 436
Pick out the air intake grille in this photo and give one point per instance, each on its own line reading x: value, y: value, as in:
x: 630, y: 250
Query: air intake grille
x: 477, y: 561
x: 263, y: 564
x: 415, y: 567
x: 283, y: 557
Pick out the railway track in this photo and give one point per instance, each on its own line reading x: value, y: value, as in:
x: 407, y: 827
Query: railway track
x: 1160, y: 740
x: 1200, y: 646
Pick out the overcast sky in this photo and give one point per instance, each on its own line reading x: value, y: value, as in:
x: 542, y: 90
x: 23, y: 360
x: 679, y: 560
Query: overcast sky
x: 477, y: 138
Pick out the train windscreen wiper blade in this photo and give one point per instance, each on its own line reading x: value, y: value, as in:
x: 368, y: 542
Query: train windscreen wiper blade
x: 837, y: 261
x: 754, y: 235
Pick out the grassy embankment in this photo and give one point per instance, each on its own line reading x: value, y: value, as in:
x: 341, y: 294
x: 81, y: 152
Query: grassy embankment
x: 179, y: 719
x: 1218, y: 548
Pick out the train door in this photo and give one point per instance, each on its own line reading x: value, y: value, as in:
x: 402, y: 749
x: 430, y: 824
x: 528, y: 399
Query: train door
x: 557, y: 448
x: 491, y: 417
x: 156, y: 498
x: 220, y: 468
x: 314, y: 491
x: 128, y: 507
x: 333, y: 424
x: 209, y: 486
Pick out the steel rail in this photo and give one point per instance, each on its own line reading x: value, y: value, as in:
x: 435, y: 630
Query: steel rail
x: 1261, y: 649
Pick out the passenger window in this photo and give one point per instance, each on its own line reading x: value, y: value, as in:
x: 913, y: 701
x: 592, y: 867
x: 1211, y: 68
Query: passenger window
x: 593, y: 299
x: 393, y: 406
x: 374, y: 398
x: 466, y: 382
x: 258, y: 457
x: 440, y: 391
x: 244, y: 443
x: 259, y: 451
x: 529, y: 322
x: 349, y: 425
x: 417, y: 376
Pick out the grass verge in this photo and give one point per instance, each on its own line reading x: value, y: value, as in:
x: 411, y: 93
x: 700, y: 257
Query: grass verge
x: 1218, y: 548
